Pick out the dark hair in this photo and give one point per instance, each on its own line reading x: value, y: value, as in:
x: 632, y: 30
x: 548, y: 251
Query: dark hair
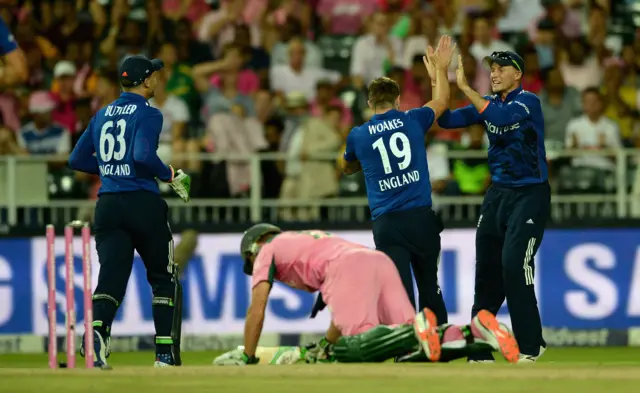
x: 83, y: 102
x: 592, y: 90
x: 109, y: 75
x: 275, y: 122
x: 333, y: 108
x: 417, y: 59
x: 383, y: 91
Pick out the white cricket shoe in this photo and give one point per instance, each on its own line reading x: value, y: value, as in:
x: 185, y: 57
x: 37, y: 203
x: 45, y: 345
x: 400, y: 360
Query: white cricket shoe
x: 529, y: 358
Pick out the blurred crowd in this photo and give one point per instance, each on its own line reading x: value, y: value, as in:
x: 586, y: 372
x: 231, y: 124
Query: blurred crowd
x: 290, y: 76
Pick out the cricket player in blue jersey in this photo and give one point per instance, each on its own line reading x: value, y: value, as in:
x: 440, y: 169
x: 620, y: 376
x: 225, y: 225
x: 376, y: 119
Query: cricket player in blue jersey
x: 516, y: 206
x: 13, y: 69
x: 120, y: 145
x: 390, y: 150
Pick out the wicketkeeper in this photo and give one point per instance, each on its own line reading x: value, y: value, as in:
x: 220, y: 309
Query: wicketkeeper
x: 372, y: 319
x: 120, y: 145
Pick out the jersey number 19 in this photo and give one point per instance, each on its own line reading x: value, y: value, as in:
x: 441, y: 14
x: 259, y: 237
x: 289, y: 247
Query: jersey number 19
x: 403, y: 152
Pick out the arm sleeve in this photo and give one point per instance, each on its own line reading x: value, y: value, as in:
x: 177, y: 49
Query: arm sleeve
x: 82, y: 157
x: 146, y: 144
x: 512, y: 113
x: 264, y: 267
x: 7, y: 41
x: 349, y: 151
x: 459, y: 118
x: 425, y: 116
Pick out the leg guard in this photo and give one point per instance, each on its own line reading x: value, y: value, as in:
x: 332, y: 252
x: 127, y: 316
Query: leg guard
x: 176, y: 327
x: 376, y: 345
x: 471, y: 346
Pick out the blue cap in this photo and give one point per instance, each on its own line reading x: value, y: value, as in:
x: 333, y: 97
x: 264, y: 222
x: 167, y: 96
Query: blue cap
x: 505, y: 59
x: 135, y: 69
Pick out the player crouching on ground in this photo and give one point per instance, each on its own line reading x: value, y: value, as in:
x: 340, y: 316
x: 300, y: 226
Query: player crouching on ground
x: 372, y: 319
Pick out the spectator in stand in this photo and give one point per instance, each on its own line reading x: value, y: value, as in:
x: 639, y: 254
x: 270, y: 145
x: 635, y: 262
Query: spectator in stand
x: 546, y: 44
x: 175, y: 115
x: 64, y: 74
x: 399, y: 19
x: 81, y: 55
x: 567, y: 21
x: 325, y: 99
x: 271, y: 174
x: 517, y: 13
x: 295, y: 76
x: 298, y: 10
x: 190, y: 51
x: 620, y: 100
x: 592, y: 131
x: 191, y: 10
x: 374, y: 53
x: 107, y: 89
x: 69, y: 28
x: 218, y: 27
x: 8, y: 144
x: 580, y: 68
x: 472, y: 175
x: 38, y: 51
x: 256, y: 59
x: 416, y: 79
x: 425, y: 34
x: 221, y: 93
x: 307, y: 178
x: 280, y: 51
x: 484, y: 44
x: 532, y: 79
x: 235, y: 133
x: 179, y: 81
x: 408, y: 99
x: 43, y: 135
x: 438, y: 163
x: 345, y: 16
x: 124, y: 39
x: 560, y: 103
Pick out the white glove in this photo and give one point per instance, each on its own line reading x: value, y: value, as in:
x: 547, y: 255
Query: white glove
x: 181, y: 184
x: 237, y: 357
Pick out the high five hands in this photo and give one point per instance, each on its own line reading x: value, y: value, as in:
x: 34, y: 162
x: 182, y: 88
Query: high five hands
x: 440, y: 58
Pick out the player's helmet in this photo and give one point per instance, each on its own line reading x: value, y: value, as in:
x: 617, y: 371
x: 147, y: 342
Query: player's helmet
x: 249, y: 244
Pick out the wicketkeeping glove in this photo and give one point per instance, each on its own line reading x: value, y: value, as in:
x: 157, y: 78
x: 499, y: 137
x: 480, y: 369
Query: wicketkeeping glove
x: 181, y: 184
x: 321, y: 351
x: 236, y: 357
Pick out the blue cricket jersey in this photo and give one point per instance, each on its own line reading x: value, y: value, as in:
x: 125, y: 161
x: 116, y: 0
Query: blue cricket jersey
x: 7, y: 41
x: 120, y: 145
x: 515, y: 128
x: 392, y: 153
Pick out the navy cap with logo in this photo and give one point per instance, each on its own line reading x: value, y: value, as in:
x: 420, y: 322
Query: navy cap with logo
x: 505, y: 59
x: 135, y: 69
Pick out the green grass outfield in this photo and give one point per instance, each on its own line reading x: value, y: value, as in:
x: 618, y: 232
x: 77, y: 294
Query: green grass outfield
x: 566, y: 370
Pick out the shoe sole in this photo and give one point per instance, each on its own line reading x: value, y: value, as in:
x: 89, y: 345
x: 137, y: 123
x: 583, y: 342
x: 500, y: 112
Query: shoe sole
x: 425, y: 327
x: 502, y: 338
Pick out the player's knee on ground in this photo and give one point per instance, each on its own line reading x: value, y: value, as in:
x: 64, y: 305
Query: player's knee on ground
x: 376, y: 345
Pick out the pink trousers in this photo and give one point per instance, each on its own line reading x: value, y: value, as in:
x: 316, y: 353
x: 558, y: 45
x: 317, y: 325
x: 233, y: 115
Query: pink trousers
x: 362, y: 290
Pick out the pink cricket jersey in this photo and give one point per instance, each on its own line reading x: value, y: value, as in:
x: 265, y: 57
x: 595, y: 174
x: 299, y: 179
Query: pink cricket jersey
x: 299, y: 259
